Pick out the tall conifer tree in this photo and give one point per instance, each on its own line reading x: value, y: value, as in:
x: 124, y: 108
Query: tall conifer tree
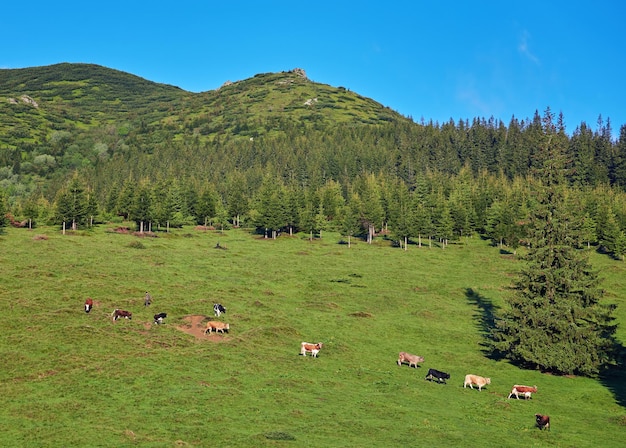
x: 555, y: 321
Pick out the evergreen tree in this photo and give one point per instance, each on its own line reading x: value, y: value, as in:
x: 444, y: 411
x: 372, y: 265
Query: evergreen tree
x: 72, y: 205
x: 555, y: 321
x: 141, y: 209
x: 206, y: 206
x: 588, y: 233
x: 3, y: 210
x: 611, y: 233
x: 349, y: 222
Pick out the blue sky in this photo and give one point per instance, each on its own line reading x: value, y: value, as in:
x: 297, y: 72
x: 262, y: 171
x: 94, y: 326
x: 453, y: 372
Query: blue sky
x: 431, y: 60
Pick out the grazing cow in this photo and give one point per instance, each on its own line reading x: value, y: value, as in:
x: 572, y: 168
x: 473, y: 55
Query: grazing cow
x: 411, y: 359
x: 117, y: 313
x: 217, y: 326
x: 218, y: 309
x: 308, y: 347
x: 543, y: 421
x: 475, y: 379
x: 88, y: 304
x: 524, y: 390
x: 441, y: 377
x: 158, y: 318
x: 147, y: 300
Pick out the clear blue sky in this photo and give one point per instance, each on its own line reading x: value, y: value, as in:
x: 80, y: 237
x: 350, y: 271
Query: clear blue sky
x: 433, y: 60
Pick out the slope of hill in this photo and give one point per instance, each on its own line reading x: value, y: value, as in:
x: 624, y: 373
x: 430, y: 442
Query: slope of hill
x: 34, y: 102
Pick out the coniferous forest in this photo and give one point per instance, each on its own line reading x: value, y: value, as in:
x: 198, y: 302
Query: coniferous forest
x: 83, y: 144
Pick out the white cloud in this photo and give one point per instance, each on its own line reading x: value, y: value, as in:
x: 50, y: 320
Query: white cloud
x: 524, y: 49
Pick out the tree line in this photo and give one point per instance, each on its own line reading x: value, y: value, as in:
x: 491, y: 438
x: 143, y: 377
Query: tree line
x: 555, y: 319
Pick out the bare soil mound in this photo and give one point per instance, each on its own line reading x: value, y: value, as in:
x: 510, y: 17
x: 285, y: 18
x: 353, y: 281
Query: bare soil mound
x: 194, y: 326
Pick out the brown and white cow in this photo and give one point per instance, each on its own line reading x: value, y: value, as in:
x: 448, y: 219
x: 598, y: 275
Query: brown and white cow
x: 526, y: 391
x: 409, y: 358
x: 312, y: 348
x: 543, y: 421
x: 475, y: 379
x: 218, y: 327
x: 88, y: 304
x: 117, y: 313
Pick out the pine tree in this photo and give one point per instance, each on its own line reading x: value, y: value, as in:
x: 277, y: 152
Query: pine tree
x: 555, y: 321
x: 3, y: 210
x: 72, y: 205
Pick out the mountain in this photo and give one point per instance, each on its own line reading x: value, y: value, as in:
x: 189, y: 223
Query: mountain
x: 78, y: 97
x: 113, y: 128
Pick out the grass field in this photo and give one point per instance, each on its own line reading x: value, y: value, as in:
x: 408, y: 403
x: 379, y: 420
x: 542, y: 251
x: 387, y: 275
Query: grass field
x: 74, y: 379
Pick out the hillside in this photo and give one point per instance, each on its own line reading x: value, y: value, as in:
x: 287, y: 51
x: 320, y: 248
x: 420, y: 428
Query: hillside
x: 34, y: 102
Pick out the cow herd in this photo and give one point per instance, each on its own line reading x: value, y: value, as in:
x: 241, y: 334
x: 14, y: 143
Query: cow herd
x: 471, y: 380
x: 218, y: 309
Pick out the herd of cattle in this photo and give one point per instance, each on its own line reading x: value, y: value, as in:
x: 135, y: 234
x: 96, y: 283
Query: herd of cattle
x: 218, y: 309
x: 542, y: 421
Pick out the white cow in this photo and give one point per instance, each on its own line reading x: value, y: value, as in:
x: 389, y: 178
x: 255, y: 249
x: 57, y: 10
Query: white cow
x: 475, y: 379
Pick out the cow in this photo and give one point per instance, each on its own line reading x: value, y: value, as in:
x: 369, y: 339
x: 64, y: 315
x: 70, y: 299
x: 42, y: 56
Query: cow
x: 88, y: 304
x: 218, y: 309
x: 475, y: 379
x: 441, y: 377
x: 117, y: 313
x: 543, y: 421
x: 527, y: 391
x: 217, y: 326
x: 308, y: 347
x: 411, y: 359
x: 147, y: 300
x: 158, y: 318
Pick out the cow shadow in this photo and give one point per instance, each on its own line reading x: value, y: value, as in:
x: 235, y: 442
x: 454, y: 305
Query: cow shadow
x: 485, y: 320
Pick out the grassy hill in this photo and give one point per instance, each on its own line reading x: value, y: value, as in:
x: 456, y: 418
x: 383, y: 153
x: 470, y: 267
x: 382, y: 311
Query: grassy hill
x: 36, y: 101
x: 76, y: 379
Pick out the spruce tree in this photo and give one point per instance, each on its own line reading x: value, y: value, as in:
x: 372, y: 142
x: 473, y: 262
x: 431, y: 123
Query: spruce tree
x: 3, y: 210
x: 555, y: 320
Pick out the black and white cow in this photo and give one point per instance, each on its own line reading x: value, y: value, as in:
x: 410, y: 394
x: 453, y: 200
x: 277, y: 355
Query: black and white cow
x: 441, y: 377
x: 218, y: 309
x: 158, y: 318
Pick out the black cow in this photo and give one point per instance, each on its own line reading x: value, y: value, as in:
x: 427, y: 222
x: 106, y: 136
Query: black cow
x: 543, y: 421
x: 441, y: 377
x: 158, y: 318
x: 218, y: 309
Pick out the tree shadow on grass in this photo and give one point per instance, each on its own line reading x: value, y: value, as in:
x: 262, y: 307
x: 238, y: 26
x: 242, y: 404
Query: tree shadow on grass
x: 614, y: 378
x: 486, y: 321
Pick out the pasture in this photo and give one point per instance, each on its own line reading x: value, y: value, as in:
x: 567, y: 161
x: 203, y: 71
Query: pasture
x: 74, y: 379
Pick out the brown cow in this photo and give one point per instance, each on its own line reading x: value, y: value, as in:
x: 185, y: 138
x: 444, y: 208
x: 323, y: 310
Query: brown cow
x: 410, y: 359
x: 308, y: 347
x: 525, y: 390
x: 117, y: 313
x: 543, y: 421
x: 88, y: 304
x: 475, y: 379
x: 219, y: 327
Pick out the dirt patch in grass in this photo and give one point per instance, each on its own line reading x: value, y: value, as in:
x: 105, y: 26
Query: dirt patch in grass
x: 360, y: 314
x: 195, y: 327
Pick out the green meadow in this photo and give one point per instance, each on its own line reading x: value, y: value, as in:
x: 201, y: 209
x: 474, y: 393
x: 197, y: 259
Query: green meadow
x: 74, y: 379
